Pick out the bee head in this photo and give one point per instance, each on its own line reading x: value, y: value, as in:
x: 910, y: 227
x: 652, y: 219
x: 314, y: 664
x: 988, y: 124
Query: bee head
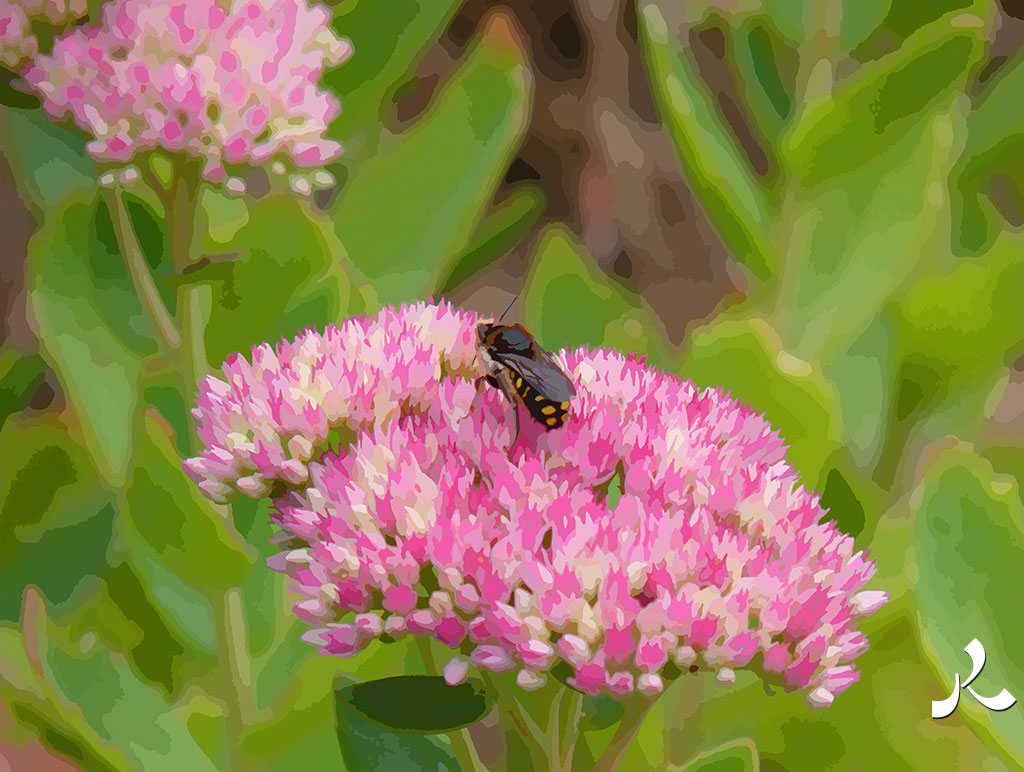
x: 482, y: 331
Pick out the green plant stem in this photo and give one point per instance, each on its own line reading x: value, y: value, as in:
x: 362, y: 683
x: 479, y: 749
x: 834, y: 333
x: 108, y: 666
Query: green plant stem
x: 236, y: 676
x: 184, y: 203
x: 637, y: 708
x: 142, y: 279
x: 512, y: 711
x: 462, y: 743
x: 568, y: 727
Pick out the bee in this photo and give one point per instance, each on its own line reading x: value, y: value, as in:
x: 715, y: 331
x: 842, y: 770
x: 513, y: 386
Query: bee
x: 524, y: 372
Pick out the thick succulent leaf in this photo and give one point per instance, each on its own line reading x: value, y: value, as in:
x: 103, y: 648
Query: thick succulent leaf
x: 50, y: 161
x: 885, y: 100
x: 20, y: 376
x: 409, y: 209
x: 290, y: 272
x: 959, y: 330
x: 368, y: 746
x: 765, y: 75
x: 568, y: 301
x: 91, y: 326
x: 55, y: 516
x: 388, y: 39
x: 970, y: 557
x: 747, y: 359
x: 505, y: 225
x: 994, y: 146
x: 93, y: 690
x: 416, y: 703
x: 169, y: 514
x: 740, y: 208
x: 860, y: 239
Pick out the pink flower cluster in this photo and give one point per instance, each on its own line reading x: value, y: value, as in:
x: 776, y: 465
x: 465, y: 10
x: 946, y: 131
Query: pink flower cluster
x: 266, y: 419
x: 659, y: 530
x: 228, y: 81
x: 17, y: 42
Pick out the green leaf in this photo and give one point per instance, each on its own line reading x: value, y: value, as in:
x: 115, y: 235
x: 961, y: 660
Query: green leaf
x: 766, y: 75
x: 417, y: 703
x: 798, y: 20
x: 970, y: 557
x: 500, y: 230
x: 860, y: 239
x: 963, y: 326
x: 291, y: 273
x: 735, y: 756
x: 367, y: 746
x: 48, y: 161
x: 20, y: 376
x: 55, y: 516
x: 747, y: 359
x: 14, y: 92
x: 885, y: 100
x: 95, y: 691
x: 174, y: 520
x: 994, y: 145
x: 92, y: 329
x: 568, y: 301
x: 600, y: 712
x: 388, y: 39
x: 864, y: 376
x: 408, y: 209
x: 717, y: 169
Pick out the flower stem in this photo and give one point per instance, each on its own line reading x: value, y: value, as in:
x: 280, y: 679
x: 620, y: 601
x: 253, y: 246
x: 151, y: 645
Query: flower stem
x: 637, y: 708
x: 142, y: 279
x: 182, y: 214
x: 236, y: 676
x: 511, y: 711
x: 569, y: 729
x: 462, y: 743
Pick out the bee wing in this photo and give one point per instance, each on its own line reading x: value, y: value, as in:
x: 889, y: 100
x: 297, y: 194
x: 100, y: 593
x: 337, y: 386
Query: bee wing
x: 542, y: 373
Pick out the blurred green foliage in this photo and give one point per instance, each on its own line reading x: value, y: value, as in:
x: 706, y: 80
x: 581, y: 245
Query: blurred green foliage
x: 878, y: 332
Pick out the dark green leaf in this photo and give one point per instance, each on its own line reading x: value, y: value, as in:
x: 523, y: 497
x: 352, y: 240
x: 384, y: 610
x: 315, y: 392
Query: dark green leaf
x: 20, y: 376
x: 14, y: 93
x: 417, y: 703
x: 368, y: 747
x: 600, y: 712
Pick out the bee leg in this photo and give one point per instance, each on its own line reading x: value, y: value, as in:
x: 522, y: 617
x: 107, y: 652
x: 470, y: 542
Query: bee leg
x: 515, y: 424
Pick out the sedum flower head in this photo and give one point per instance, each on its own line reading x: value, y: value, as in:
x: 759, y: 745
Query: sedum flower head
x: 659, y: 530
x: 17, y: 42
x: 228, y: 81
